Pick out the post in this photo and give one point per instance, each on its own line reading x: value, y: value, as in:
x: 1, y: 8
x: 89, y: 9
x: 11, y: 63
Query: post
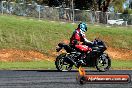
x: 28, y: 8
x: 11, y: 8
x: 97, y: 14
x: 39, y: 10
x: 2, y: 7
x: 107, y: 14
x: 21, y: 10
x: 73, y: 11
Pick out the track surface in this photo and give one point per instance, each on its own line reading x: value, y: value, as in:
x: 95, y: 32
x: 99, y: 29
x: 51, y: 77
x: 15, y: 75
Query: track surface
x: 52, y: 79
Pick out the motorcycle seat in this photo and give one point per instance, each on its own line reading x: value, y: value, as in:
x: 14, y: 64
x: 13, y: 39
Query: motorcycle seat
x: 66, y: 47
x: 61, y: 44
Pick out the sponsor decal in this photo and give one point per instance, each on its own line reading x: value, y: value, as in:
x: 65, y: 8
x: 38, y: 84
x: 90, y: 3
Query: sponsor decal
x: 83, y: 78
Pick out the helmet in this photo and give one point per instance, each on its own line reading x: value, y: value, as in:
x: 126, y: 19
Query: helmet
x: 83, y: 26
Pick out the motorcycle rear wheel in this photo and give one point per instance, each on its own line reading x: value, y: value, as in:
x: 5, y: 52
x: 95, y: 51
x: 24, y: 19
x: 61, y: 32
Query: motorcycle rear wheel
x: 61, y: 65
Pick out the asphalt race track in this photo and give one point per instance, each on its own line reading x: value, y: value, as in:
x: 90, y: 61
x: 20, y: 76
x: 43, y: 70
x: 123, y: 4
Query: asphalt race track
x: 53, y: 79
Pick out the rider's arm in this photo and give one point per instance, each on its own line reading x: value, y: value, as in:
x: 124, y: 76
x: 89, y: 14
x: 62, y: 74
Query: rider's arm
x: 85, y: 39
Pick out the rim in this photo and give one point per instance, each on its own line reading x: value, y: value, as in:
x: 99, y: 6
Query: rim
x: 102, y: 63
x: 63, y: 66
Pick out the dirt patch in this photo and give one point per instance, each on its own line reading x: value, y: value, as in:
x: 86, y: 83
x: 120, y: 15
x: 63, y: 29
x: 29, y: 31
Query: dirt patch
x: 120, y: 54
x: 22, y: 55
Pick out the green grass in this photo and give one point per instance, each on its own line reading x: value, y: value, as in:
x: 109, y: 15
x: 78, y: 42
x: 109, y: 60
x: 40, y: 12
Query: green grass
x: 43, y: 65
x: 119, y: 37
x: 120, y: 64
x: 27, y: 34
x: 22, y: 33
x: 43, y: 36
x: 27, y: 65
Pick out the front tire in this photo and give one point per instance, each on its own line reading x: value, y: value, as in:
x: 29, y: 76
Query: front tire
x: 103, y: 63
x: 61, y: 65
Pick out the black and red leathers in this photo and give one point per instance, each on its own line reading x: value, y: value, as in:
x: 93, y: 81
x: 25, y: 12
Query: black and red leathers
x: 77, y: 37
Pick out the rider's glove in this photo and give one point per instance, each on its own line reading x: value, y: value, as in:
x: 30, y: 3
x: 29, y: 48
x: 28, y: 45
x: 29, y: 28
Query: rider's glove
x: 92, y: 43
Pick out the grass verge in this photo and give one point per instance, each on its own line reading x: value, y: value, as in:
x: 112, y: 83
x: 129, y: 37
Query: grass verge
x: 27, y: 65
x: 43, y: 36
x: 48, y: 65
x: 122, y: 64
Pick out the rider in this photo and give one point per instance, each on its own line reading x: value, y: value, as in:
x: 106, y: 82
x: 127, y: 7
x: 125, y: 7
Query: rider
x: 77, y: 37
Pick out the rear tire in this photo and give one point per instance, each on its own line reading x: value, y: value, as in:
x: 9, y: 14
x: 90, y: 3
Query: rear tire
x: 103, y: 63
x: 61, y: 65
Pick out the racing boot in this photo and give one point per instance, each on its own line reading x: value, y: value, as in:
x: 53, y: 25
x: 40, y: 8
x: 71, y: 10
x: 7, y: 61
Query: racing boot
x: 82, y: 58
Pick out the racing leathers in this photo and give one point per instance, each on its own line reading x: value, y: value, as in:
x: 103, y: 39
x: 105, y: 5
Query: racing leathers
x: 77, y: 37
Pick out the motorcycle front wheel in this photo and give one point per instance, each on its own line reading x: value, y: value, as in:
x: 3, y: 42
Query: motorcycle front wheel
x: 61, y: 64
x: 103, y: 63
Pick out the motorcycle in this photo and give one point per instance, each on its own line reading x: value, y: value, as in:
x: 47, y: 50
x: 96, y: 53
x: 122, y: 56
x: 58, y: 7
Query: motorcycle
x: 96, y: 58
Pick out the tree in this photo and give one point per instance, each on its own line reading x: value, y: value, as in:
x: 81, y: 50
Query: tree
x: 54, y: 3
x: 101, y: 5
x: 130, y: 5
x: 118, y: 5
x: 83, y: 4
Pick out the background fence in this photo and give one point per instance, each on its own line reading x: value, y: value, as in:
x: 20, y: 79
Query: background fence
x: 64, y: 14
